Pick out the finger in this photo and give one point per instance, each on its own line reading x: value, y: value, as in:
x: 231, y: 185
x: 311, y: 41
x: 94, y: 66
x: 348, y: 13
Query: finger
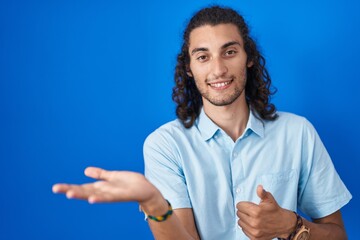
x: 246, y: 207
x: 247, y: 233
x: 244, y: 218
x: 97, y: 173
x: 251, y: 232
x: 245, y: 228
x: 81, y: 191
x: 264, y: 195
x: 69, y: 190
x: 60, y: 188
x: 261, y: 192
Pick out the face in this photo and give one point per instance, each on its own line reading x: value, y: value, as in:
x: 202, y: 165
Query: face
x: 218, y: 63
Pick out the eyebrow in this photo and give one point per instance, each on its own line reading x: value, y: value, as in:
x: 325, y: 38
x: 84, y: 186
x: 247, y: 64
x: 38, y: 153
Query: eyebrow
x: 228, y: 44
x: 195, y: 50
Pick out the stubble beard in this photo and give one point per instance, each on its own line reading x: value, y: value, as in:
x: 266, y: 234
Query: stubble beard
x: 226, y: 99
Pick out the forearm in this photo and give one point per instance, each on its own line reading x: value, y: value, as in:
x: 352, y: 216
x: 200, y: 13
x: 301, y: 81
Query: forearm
x: 325, y: 231
x: 330, y: 227
x: 172, y: 227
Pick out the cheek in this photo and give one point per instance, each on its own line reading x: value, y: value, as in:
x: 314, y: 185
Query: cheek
x: 243, y: 72
x: 199, y: 72
x: 200, y: 85
x: 239, y: 68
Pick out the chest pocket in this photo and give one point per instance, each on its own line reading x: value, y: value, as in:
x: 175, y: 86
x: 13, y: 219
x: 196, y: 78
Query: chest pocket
x: 283, y: 186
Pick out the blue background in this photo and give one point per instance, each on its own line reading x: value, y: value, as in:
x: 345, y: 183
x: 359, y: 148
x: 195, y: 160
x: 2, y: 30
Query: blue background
x: 84, y: 82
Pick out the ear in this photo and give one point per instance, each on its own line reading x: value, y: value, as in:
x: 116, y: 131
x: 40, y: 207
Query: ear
x: 188, y: 71
x: 250, y: 64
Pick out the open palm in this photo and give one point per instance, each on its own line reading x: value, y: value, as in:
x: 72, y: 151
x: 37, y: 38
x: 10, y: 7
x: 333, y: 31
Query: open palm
x: 113, y: 186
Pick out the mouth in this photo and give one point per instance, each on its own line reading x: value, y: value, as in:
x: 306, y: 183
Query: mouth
x: 220, y: 85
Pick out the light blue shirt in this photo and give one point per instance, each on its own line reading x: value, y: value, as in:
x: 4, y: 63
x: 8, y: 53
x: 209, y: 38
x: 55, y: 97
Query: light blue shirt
x: 204, y: 169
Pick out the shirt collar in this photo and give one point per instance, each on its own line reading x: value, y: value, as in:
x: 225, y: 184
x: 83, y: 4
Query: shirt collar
x: 208, y: 128
x: 255, y: 124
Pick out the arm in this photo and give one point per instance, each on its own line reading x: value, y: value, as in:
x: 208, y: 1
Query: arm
x: 268, y: 220
x: 329, y: 227
x: 180, y: 225
x: 122, y: 186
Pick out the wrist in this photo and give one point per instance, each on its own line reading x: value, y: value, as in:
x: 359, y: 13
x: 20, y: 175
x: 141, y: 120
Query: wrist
x: 301, y: 231
x: 155, y: 206
x: 290, y: 222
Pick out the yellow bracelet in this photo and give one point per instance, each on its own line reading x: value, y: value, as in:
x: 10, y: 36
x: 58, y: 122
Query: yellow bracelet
x: 163, y: 217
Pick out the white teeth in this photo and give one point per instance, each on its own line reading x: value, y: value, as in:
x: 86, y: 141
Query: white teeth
x: 218, y: 85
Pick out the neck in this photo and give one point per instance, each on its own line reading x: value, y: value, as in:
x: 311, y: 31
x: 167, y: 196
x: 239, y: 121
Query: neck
x: 232, y: 118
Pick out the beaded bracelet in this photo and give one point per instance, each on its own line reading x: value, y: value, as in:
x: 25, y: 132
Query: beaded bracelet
x: 299, y: 223
x: 163, y: 217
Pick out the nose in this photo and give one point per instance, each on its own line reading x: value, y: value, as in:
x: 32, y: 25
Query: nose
x: 219, y: 67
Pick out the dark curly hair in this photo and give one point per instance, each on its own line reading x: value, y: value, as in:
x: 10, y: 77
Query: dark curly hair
x: 257, y: 90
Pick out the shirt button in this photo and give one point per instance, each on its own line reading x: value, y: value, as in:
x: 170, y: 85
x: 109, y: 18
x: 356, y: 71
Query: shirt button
x: 237, y: 190
x: 235, y: 155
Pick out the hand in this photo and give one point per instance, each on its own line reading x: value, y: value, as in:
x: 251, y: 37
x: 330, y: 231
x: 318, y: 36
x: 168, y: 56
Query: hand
x: 266, y: 220
x: 113, y: 186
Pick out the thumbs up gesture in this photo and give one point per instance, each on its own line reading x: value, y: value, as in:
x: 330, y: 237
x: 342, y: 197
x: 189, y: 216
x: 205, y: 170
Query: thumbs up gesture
x: 266, y: 220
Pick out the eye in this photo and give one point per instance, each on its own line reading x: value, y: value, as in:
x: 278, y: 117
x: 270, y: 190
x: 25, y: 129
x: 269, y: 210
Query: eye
x: 230, y: 52
x: 202, y: 58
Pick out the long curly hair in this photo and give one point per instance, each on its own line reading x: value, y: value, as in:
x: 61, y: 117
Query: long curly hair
x: 257, y: 90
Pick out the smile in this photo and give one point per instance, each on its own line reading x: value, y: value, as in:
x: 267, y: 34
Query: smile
x: 220, y: 84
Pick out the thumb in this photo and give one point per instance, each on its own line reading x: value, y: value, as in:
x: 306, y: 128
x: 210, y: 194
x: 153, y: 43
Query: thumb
x: 97, y: 173
x: 263, y: 194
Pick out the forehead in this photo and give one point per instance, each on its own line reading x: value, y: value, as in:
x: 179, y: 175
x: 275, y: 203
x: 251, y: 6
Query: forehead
x: 207, y: 35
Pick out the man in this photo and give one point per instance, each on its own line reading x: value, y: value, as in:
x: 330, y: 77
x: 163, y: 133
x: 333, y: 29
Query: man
x: 230, y: 166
